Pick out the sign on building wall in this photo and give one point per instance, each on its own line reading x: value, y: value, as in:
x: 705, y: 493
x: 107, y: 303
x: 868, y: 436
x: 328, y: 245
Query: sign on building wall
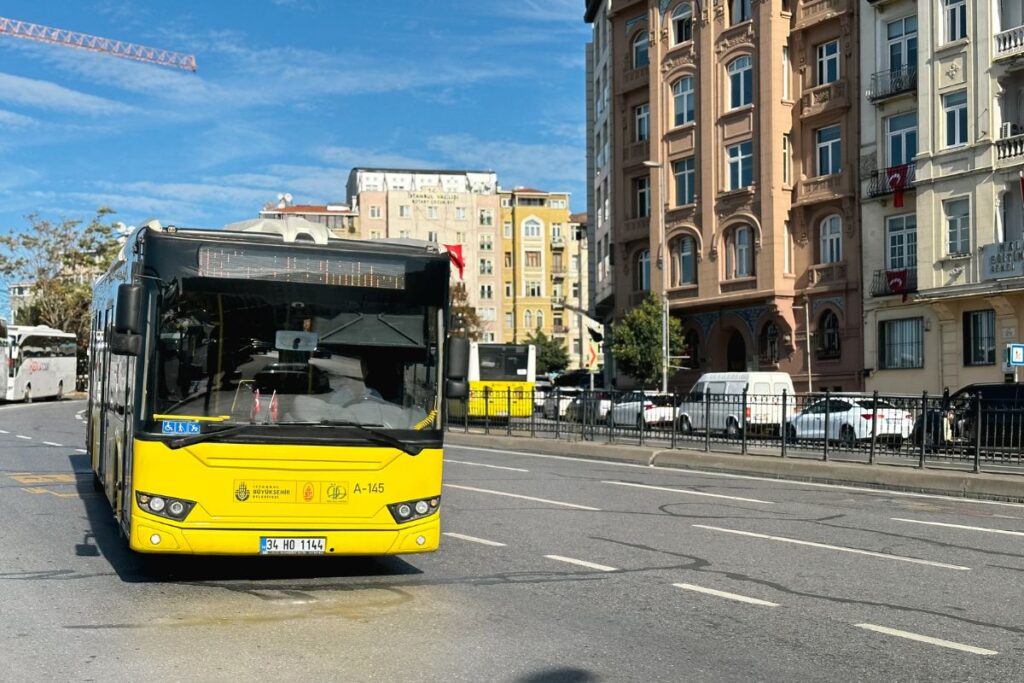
x: 433, y: 198
x: 1005, y: 259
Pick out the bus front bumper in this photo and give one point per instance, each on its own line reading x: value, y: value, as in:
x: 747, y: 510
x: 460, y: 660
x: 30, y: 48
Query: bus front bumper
x: 151, y: 536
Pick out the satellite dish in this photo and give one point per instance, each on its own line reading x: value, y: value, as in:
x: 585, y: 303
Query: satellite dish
x: 288, y: 197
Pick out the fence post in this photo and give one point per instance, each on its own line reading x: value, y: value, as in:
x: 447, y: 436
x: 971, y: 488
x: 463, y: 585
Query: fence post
x: 924, y: 423
x: 558, y: 413
x: 782, y: 427
x: 743, y: 416
x: 465, y: 412
x: 508, y: 411
x: 874, y: 426
x: 828, y: 400
x: 707, y: 421
x: 533, y: 412
x: 487, y: 410
x: 675, y: 419
x: 977, y: 434
x: 640, y: 421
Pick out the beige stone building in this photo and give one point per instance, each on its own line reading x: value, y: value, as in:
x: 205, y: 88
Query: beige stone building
x: 733, y: 178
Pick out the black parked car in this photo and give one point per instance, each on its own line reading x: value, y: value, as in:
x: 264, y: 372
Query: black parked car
x: 954, y: 419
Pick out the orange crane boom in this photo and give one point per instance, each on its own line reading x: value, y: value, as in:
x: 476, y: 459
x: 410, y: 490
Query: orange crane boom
x: 83, y: 41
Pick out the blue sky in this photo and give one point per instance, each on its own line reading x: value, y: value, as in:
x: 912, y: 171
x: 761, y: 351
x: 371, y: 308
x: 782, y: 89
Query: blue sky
x: 289, y: 95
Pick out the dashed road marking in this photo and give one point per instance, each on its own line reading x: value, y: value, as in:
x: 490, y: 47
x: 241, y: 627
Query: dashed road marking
x: 53, y: 443
x: 582, y: 563
x: 473, y: 539
x: 4, y: 431
x: 20, y: 436
x: 29, y: 478
x: 728, y: 596
x: 826, y: 546
x: 689, y: 492
x: 516, y: 495
x: 81, y: 450
x: 480, y: 464
x: 926, y: 639
x: 959, y: 526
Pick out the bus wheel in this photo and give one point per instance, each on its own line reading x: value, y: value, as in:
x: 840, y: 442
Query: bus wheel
x: 28, y: 393
x: 60, y: 392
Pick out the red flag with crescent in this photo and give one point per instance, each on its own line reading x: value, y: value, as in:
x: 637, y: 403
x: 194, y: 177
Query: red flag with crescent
x: 455, y: 254
x: 896, y: 179
x: 897, y: 280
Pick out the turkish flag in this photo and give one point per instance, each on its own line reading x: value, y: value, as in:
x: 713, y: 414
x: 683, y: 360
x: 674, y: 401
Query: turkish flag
x: 455, y: 254
x: 897, y: 280
x: 896, y: 178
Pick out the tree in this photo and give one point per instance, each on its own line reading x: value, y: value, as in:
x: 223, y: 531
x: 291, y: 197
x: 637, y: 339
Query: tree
x: 60, y: 262
x: 636, y: 341
x: 551, y: 353
x: 463, y: 316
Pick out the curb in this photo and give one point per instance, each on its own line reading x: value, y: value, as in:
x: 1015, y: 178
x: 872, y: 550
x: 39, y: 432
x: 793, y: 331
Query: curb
x: 907, y: 478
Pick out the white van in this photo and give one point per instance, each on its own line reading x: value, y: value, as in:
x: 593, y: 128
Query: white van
x: 716, y: 402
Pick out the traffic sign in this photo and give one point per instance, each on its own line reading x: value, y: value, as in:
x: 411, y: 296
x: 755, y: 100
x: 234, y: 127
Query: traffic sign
x: 1016, y: 354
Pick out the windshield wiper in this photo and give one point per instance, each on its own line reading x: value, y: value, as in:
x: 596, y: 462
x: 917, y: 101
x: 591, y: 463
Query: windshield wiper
x: 207, y: 436
x: 375, y: 435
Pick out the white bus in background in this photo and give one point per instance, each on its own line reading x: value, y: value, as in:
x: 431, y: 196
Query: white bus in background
x: 40, y: 362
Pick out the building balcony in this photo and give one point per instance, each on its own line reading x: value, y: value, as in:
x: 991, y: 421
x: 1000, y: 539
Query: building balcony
x: 683, y: 292
x: 558, y: 302
x: 632, y: 79
x: 635, y: 228
x: 1008, y: 44
x: 892, y: 82
x: 813, y: 12
x: 1010, y: 149
x: 636, y: 152
x: 824, y: 99
x: 557, y: 242
x: 560, y: 329
x: 821, y: 188
x: 826, y: 274
x: 884, y: 181
x: 891, y: 282
x: 558, y: 272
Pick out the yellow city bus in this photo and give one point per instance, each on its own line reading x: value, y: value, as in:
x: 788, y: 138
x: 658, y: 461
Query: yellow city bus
x: 501, y: 380
x: 270, y: 391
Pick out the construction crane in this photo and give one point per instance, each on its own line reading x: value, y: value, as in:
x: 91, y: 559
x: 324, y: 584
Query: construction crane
x: 83, y: 41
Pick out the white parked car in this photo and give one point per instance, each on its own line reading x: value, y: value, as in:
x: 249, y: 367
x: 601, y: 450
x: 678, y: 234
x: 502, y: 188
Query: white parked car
x: 541, y: 389
x: 558, y: 402
x: 641, y: 409
x: 849, y: 421
x: 600, y: 402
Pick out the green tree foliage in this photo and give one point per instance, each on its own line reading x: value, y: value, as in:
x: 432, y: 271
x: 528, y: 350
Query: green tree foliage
x: 60, y: 262
x: 636, y: 342
x: 463, y: 316
x: 552, y: 355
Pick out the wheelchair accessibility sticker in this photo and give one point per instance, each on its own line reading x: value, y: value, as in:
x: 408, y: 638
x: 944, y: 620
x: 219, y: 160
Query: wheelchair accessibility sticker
x: 180, y: 427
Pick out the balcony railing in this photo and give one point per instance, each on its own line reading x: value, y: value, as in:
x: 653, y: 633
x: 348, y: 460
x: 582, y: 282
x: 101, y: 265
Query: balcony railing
x: 889, y: 282
x: 636, y: 228
x: 1009, y: 43
x: 884, y: 181
x: 811, y: 12
x: 558, y: 271
x: 893, y: 82
x: 557, y: 301
x: 826, y: 273
x: 1011, y: 147
x: 557, y: 241
x: 824, y: 98
x: 826, y: 345
x: 821, y: 188
x: 636, y: 151
x: 560, y: 329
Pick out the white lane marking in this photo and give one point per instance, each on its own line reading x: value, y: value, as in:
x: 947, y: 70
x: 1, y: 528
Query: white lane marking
x: 749, y: 477
x: 19, y: 436
x: 723, y: 594
x: 81, y: 450
x: 583, y: 563
x: 480, y: 464
x: 474, y: 539
x: 688, y: 492
x: 960, y: 526
x: 51, y: 443
x: 4, y: 431
x: 840, y: 548
x: 516, y: 495
x: 927, y: 639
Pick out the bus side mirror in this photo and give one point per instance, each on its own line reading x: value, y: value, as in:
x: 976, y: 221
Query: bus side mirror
x: 457, y: 361
x: 454, y: 388
x: 128, y: 313
x: 125, y: 344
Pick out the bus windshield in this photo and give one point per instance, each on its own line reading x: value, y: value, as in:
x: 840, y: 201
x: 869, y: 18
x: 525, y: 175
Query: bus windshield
x: 505, y: 362
x: 245, y: 352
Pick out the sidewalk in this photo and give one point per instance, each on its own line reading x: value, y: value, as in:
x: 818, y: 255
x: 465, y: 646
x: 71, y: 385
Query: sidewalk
x: 1004, y: 487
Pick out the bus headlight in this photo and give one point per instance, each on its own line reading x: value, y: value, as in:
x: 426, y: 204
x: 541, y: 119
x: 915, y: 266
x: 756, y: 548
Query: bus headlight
x: 164, y: 506
x: 414, y: 509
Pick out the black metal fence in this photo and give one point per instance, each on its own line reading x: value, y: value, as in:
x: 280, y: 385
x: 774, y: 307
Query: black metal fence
x: 969, y: 432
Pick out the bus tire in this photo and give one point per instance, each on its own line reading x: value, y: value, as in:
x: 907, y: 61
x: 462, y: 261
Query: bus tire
x: 60, y: 392
x: 28, y: 393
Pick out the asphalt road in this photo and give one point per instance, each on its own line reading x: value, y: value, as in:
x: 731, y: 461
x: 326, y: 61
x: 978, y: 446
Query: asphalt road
x: 552, y: 569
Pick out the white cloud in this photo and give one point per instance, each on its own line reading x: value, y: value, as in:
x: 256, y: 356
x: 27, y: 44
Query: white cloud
x: 515, y: 162
x: 9, y: 119
x: 46, y: 95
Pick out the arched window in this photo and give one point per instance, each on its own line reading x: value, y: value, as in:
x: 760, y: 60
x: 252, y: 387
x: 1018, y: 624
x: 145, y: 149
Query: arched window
x: 691, y: 344
x: 640, y: 57
x: 739, y: 258
x: 831, y: 240
x: 528, y: 320
x: 540, y: 319
x: 684, y: 262
x: 682, y: 24
x: 740, y: 11
x: 683, y: 100
x: 741, y: 82
x: 642, y: 268
x: 828, y: 335
x: 532, y: 227
x: 768, y: 343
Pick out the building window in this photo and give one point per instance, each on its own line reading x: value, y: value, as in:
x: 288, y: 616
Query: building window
x: 684, y: 262
x: 486, y: 242
x: 539, y: 315
x: 533, y: 259
x: 741, y: 82
x: 741, y: 165
x: 574, y: 264
x: 642, y: 271
x: 557, y: 203
x: 575, y: 290
x: 738, y: 253
x: 682, y: 24
x: 787, y: 248
x: 828, y: 62
x: 506, y: 230
x: 506, y: 202
x: 958, y: 226
x: 375, y: 234
x: 787, y: 92
x: 955, y: 106
x: 641, y: 197
x: 528, y: 320
x: 686, y: 188
x: 642, y: 118
x: 556, y: 231
x: 533, y: 288
x: 460, y: 213
x: 374, y: 211
x: 510, y: 320
x: 508, y: 290
x: 486, y: 266
x: 404, y: 211
x: 640, y: 57
x: 787, y: 161
x: 404, y: 234
x: 508, y: 259
x: 828, y: 340
x: 432, y: 212
x: 901, y: 135
x: 980, y: 337
x: 460, y: 238
x: 902, y: 43
x: 956, y: 19
x: 828, y: 145
x: 768, y: 343
x: 486, y: 217
x: 901, y: 242
x: 739, y: 11
x: 531, y: 228
x: 831, y: 240
x: 683, y: 100
x: 432, y: 236
x: 486, y: 292
x: 901, y: 344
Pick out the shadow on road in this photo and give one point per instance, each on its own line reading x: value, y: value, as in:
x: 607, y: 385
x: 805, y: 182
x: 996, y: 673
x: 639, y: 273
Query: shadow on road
x: 106, y: 539
x: 560, y: 675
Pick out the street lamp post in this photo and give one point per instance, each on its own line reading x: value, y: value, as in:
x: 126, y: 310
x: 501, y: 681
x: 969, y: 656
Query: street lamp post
x: 663, y: 280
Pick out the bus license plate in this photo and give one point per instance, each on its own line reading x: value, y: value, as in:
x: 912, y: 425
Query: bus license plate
x: 274, y: 545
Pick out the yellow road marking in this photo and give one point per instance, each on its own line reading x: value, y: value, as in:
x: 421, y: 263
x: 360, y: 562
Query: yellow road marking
x: 30, y: 478
x: 40, y: 489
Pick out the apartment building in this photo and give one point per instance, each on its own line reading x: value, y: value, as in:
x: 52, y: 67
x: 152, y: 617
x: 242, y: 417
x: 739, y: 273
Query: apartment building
x: 446, y: 207
x: 341, y: 220
x: 946, y: 268
x: 733, y: 179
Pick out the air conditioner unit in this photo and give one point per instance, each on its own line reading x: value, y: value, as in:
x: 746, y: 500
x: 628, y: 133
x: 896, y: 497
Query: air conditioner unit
x: 1008, y: 129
